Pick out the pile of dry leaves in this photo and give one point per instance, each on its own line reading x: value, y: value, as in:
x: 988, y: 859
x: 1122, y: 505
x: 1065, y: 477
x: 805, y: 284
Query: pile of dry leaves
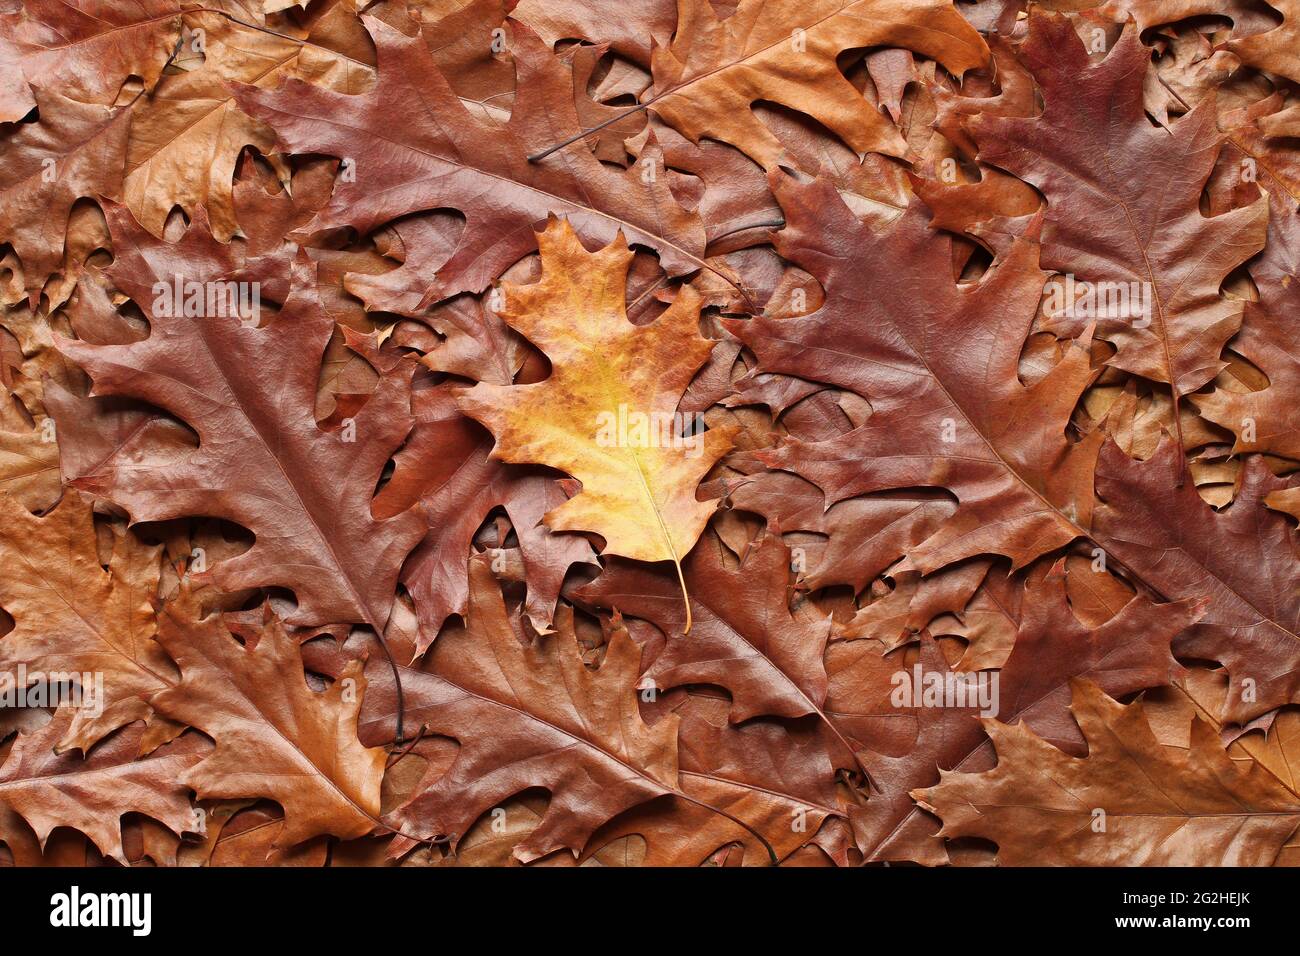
x: 474, y: 432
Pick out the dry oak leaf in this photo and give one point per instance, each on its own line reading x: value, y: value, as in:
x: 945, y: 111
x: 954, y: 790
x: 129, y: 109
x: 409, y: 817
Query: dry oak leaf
x: 1243, y: 558
x: 638, y: 488
x: 275, y: 737
x: 728, y: 190
x: 942, y: 417
x: 865, y: 535
x: 745, y: 638
x: 904, y: 750
x: 446, y: 465
x: 71, y: 615
x: 708, y: 79
x: 86, y: 49
x: 47, y: 789
x: 765, y: 773
x: 186, y: 138
x: 899, y: 747
x: 417, y: 147
x: 896, y: 617
x: 1273, y: 741
x: 461, y: 40
x: 527, y: 714
x: 1162, y: 806
x: 1276, y: 50
x: 1124, y: 204
x: 1264, y: 133
x: 74, y: 150
x: 640, y: 26
x: 967, y: 208
x: 1015, y: 96
x: 16, y: 99
x: 253, y: 836
x: 1267, y: 420
x: 263, y: 462
x: 29, y: 460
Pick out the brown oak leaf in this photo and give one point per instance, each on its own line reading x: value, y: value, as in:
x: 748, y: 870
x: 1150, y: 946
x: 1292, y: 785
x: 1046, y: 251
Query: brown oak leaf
x: 1123, y: 208
x: 744, y: 637
x: 708, y: 79
x: 1267, y: 420
x: 941, y: 417
x: 275, y: 737
x: 85, y: 48
x: 46, y: 789
x: 187, y: 138
x: 905, y: 749
x: 435, y: 153
x: 262, y: 460
x: 75, y: 150
x: 1242, y: 558
x: 1128, y: 802
x: 527, y: 715
x: 73, y: 616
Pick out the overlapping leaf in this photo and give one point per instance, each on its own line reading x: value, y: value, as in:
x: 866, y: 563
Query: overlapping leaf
x: 488, y: 314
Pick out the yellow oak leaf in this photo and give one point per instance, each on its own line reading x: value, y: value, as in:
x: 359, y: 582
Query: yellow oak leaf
x: 607, y: 415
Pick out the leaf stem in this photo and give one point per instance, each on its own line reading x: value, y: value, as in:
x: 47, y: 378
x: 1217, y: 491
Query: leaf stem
x: 686, y: 597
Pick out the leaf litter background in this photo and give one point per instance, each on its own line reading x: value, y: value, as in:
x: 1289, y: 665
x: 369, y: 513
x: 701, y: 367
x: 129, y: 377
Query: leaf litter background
x: 363, y: 589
